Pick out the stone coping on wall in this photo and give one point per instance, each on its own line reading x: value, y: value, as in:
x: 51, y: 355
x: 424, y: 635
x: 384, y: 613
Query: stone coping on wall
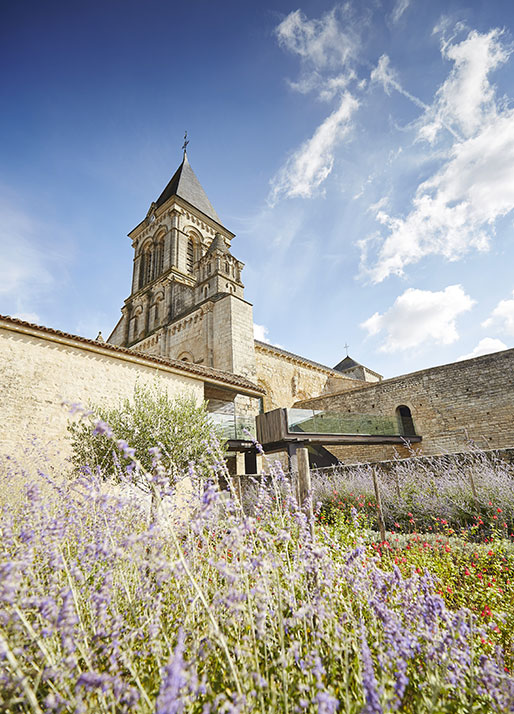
x: 208, y: 374
x: 410, y: 375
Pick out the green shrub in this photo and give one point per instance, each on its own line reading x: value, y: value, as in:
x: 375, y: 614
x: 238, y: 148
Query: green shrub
x: 179, y: 427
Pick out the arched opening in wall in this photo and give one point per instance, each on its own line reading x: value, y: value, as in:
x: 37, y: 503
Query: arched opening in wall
x: 405, y: 422
x: 185, y: 357
x: 265, y: 402
x: 206, y: 291
x: 190, y: 258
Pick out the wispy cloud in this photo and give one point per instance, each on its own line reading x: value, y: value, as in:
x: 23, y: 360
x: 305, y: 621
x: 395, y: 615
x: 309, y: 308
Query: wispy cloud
x: 502, y: 317
x: 310, y: 165
x: 398, y: 10
x: 419, y: 316
x: 454, y: 211
x: 485, y: 347
x: 327, y: 48
x: 321, y: 43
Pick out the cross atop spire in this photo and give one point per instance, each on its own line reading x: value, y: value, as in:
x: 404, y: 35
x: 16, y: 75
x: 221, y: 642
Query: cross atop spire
x: 186, y: 142
x: 347, y: 347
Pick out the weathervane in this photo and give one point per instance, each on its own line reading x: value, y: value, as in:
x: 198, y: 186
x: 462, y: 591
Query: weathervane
x: 186, y: 142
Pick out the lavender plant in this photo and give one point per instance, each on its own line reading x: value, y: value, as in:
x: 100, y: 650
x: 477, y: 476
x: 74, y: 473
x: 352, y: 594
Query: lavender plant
x: 105, y: 610
x: 424, y: 492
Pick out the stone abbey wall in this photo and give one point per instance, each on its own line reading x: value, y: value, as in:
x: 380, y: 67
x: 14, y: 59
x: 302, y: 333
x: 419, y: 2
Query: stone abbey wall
x: 39, y: 369
x: 451, y: 405
x: 287, y: 377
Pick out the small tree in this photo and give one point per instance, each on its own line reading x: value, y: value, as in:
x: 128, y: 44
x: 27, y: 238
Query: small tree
x: 180, y: 427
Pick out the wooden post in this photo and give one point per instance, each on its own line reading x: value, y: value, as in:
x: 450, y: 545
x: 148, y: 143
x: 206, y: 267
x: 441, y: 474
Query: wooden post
x: 379, y: 506
x: 240, y: 463
x: 240, y: 472
x: 304, y: 474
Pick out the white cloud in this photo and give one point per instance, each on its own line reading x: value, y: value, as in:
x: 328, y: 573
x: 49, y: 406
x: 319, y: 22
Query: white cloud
x: 260, y: 332
x: 321, y: 43
x: 310, y: 165
x: 386, y: 76
x: 454, y: 211
x: 502, y: 317
x: 419, y: 316
x: 485, y: 347
x: 327, y: 48
x: 398, y: 10
x: 466, y: 99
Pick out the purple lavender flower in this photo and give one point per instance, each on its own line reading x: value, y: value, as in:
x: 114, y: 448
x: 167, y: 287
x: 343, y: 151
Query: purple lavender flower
x: 101, y: 427
x: 369, y: 681
x: 174, y: 681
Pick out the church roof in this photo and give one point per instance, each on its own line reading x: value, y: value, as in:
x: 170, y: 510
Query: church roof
x: 346, y: 363
x: 185, y: 185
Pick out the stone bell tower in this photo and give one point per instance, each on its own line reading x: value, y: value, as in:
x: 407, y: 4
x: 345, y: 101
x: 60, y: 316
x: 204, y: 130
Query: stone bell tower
x: 187, y: 299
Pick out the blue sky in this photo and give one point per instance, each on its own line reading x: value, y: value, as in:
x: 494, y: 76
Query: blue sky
x: 363, y: 153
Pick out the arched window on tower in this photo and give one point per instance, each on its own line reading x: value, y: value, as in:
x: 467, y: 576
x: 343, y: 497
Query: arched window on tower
x: 190, y: 256
x: 405, y: 423
x: 148, y: 265
x: 142, y: 269
x: 158, y: 259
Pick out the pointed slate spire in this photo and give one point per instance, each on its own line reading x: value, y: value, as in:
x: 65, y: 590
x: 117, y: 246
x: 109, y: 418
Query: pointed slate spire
x: 218, y: 244
x: 185, y: 185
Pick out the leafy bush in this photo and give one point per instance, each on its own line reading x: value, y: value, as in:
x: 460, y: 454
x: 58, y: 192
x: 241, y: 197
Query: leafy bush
x: 180, y: 428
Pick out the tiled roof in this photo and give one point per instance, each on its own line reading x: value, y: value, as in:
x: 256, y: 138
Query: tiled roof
x: 185, y: 184
x: 209, y: 373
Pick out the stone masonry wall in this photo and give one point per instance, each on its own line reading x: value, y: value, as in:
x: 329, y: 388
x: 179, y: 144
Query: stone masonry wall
x: 39, y: 371
x: 451, y: 405
x: 288, y: 378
